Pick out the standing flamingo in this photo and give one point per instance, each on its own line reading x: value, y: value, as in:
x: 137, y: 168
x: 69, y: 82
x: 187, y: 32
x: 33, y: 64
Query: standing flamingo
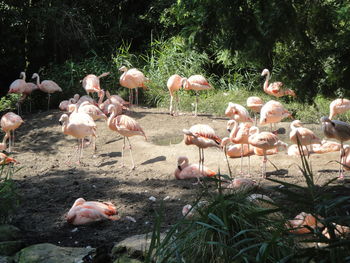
x: 47, y: 86
x: 338, y: 106
x: 92, y: 110
x: 239, y: 134
x: 30, y: 87
x: 78, y: 125
x: 91, y: 82
x: 237, y: 112
x: 340, y: 131
x: 186, y: 171
x: 132, y: 79
x: 18, y: 86
x: 275, y: 88
x: 264, y: 141
x: 301, y: 135
x: 203, y: 136
x: 196, y: 83
x: 85, y: 212
x: 125, y: 126
x: 273, y: 112
x: 10, y: 122
x: 255, y: 104
x: 174, y: 84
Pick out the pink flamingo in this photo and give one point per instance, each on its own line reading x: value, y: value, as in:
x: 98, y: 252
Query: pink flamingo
x: 196, y: 83
x: 30, y: 87
x: 242, y: 184
x: 293, y: 150
x: 91, y: 82
x: 132, y: 79
x: 255, y: 104
x: 18, y: 86
x: 47, y: 86
x: 116, y: 100
x: 301, y: 135
x: 79, y: 100
x: 235, y: 150
x: 326, y: 147
x: 63, y: 106
x: 275, y: 88
x: 264, y: 141
x: 273, y: 112
x: 92, y: 110
x: 186, y: 171
x: 237, y: 112
x: 174, y: 84
x: 338, y: 106
x: 239, y: 134
x: 78, y: 125
x: 260, y: 152
x: 125, y: 126
x: 203, y: 136
x: 4, y: 159
x: 85, y: 212
x: 10, y: 122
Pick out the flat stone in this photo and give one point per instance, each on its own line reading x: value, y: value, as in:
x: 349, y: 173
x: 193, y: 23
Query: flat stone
x: 9, y: 232
x: 49, y: 253
x: 9, y: 248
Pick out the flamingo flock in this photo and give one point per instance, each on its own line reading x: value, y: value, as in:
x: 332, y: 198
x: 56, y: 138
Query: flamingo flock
x: 245, y: 136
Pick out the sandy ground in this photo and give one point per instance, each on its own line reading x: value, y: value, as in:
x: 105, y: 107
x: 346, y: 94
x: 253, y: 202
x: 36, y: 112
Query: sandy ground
x: 49, y: 181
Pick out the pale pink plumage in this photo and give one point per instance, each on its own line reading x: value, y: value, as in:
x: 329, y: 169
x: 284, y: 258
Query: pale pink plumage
x: 91, y: 82
x: 273, y: 112
x: 338, y: 106
x: 326, y: 147
x: 85, y: 212
x: 47, y: 86
x: 237, y: 112
x: 92, y: 110
x: 241, y: 184
x: 174, y: 84
x: 255, y: 103
x: 275, y: 88
x: 293, y: 150
x: 9, y: 122
x: 186, y: 171
x: 19, y: 85
x: 302, y: 135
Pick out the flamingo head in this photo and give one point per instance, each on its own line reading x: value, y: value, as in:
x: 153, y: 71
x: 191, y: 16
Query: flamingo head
x: 111, y: 108
x: 63, y: 119
x: 265, y: 72
x: 230, y: 123
x: 22, y: 75
x: 295, y: 124
x: 123, y: 69
x: 35, y: 75
x: 184, y: 83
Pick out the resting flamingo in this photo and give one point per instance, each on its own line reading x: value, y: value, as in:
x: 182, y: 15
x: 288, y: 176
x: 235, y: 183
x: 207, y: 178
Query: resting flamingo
x: 4, y: 159
x: 325, y: 147
x: 203, y: 136
x: 133, y: 79
x: 63, y: 106
x: 273, y: 112
x: 10, y: 122
x: 293, y: 150
x: 85, y: 212
x: 125, y: 126
x: 239, y: 133
x: 185, y: 170
x: 91, y: 82
x: 78, y: 125
x: 237, y: 112
x: 338, y: 106
x: 196, y: 83
x: 264, y: 141
x: 255, y: 104
x: 47, y: 86
x: 235, y: 150
x: 174, y: 84
x: 275, y: 88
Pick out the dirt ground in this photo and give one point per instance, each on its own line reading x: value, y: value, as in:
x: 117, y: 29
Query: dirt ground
x: 49, y: 185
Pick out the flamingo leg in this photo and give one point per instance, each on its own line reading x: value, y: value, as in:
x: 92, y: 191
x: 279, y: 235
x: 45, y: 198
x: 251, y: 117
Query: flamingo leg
x: 132, y: 158
x: 171, y: 105
x: 196, y: 106
x: 137, y: 96
x: 241, y: 159
x: 177, y: 104
x: 264, y: 165
x: 9, y: 136
x: 248, y: 161
x: 341, y: 171
x: 123, y: 152
x: 48, y: 101
x: 131, y: 97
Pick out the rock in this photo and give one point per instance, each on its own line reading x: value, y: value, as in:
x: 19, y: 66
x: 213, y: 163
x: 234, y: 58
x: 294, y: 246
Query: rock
x: 49, y: 253
x: 125, y: 259
x: 9, y: 232
x: 8, y: 248
x: 4, y: 259
x: 135, y: 246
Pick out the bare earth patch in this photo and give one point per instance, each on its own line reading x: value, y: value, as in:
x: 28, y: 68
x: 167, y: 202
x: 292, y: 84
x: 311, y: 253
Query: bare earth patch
x: 49, y: 181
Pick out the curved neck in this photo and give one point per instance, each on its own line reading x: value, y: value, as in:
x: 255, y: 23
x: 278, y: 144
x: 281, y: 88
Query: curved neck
x: 234, y: 129
x: 37, y: 80
x: 266, y: 83
x: 183, y: 163
x: 23, y: 75
x: 101, y: 97
x: 111, y: 118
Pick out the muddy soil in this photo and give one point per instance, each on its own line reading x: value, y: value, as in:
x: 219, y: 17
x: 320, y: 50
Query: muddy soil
x: 50, y: 181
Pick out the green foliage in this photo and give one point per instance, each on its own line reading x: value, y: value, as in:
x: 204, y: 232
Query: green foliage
x: 8, y: 102
x: 9, y: 197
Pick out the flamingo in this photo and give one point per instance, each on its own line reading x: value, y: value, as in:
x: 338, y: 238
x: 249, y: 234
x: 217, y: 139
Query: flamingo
x: 235, y: 150
x: 196, y: 83
x: 125, y: 126
x: 264, y: 141
x: 275, y: 88
x: 174, y: 84
x: 92, y: 110
x: 132, y: 79
x: 4, y: 159
x: 255, y: 104
x: 242, y: 184
x: 326, y: 147
x: 302, y: 223
x: 78, y: 125
x: 237, y: 112
x: 47, y: 86
x: 203, y: 136
x: 85, y: 212
x: 260, y: 152
x: 185, y: 170
x: 91, y: 82
x: 338, y: 130
x: 30, y: 87
x: 10, y: 122
x: 116, y: 100
x: 338, y: 106
x: 301, y: 135
x: 239, y: 134
x: 63, y: 106
x: 273, y: 112
x: 293, y: 150
x: 18, y: 86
